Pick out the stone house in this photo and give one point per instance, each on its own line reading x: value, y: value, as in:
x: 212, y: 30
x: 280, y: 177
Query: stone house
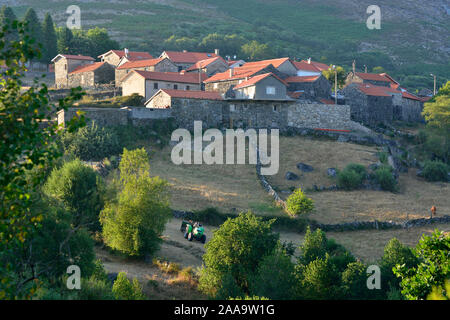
x: 165, y: 98
x: 157, y: 65
x: 185, y: 59
x: 379, y: 104
x: 147, y: 83
x: 65, y: 64
x: 225, y: 81
x: 309, y: 68
x: 260, y: 87
x: 113, y: 57
x: 209, y: 66
x: 285, y: 66
x: 310, y: 87
x: 368, y: 78
x: 91, y: 75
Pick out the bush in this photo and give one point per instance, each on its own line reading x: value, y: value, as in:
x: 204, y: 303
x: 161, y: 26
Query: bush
x: 383, y: 175
x: 91, y: 142
x: 435, y: 171
x: 298, y: 203
x: 123, y: 289
x: 351, y: 177
x: 77, y: 187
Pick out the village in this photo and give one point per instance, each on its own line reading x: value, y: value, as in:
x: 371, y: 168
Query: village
x: 243, y: 94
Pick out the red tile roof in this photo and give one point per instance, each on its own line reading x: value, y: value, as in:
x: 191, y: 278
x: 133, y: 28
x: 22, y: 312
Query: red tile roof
x: 411, y: 96
x: 301, y: 79
x: 313, y: 66
x: 295, y: 94
x: 188, y: 57
x: 132, y: 55
x: 372, y: 77
x: 88, y: 67
x: 275, y: 62
x: 140, y: 63
x: 204, y: 63
x: 254, y: 80
x: 193, y: 94
x: 74, y: 57
x: 170, y: 76
x: 379, y: 91
x: 237, y: 73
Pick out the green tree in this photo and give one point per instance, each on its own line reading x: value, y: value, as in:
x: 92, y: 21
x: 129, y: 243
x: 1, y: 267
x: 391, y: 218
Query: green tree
x: 64, y: 38
x: 298, y: 203
x: 433, y: 253
x: 34, y: 28
x: 24, y: 144
x: 133, y: 223
x: 341, y: 76
x: 100, y: 41
x: 49, y: 41
x: 256, y: 51
x: 275, y: 277
x: 123, y: 289
x: 7, y: 16
x: 236, y: 249
x: 78, y: 187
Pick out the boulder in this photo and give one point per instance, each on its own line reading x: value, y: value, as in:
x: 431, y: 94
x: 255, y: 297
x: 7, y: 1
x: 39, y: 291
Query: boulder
x: 331, y: 172
x: 304, y: 167
x: 291, y: 176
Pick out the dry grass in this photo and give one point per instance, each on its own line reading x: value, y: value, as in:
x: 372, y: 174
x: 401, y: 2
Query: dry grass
x: 231, y: 188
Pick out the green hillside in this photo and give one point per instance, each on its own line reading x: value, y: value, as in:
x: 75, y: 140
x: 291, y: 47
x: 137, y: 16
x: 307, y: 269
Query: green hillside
x: 329, y: 31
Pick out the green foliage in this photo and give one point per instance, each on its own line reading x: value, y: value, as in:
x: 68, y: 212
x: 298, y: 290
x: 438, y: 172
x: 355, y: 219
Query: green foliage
x: 395, y: 253
x: 77, y: 186
x: 256, y: 51
x: 331, y: 76
x: 435, y: 171
x: 134, y: 221
x: 275, y: 277
x: 235, y: 251
x: 134, y: 100
x: 351, y: 177
x: 7, y: 16
x: 49, y: 42
x: 123, y: 289
x: 64, y: 38
x: 383, y: 175
x: 298, y: 203
x: 433, y: 253
x: 34, y: 27
x: 91, y: 142
x: 440, y: 293
x: 24, y: 144
x: 354, y: 278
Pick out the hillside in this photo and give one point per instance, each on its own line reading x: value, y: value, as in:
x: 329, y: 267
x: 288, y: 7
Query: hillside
x: 412, y: 43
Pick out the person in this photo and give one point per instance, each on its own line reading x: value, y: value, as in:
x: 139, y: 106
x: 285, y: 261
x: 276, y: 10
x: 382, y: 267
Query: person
x: 433, y: 211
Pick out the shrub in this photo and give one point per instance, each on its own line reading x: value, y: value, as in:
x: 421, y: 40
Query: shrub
x: 383, y: 175
x: 298, y: 203
x: 234, y: 253
x: 123, y: 289
x: 91, y: 142
x: 435, y: 171
x: 77, y: 186
x: 351, y: 177
x: 133, y: 100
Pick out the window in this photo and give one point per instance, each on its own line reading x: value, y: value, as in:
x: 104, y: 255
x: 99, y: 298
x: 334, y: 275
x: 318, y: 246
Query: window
x: 65, y: 67
x: 275, y: 108
x: 232, y: 108
x: 168, y: 86
x: 180, y: 68
x: 270, y: 90
x: 155, y: 85
x: 175, y: 86
x: 216, y: 85
x: 188, y: 88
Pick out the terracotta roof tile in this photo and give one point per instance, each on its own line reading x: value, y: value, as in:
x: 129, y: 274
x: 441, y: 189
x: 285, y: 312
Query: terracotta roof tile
x: 275, y: 62
x: 302, y: 79
x: 254, y: 80
x: 193, y: 94
x: 204, y: 63
x: 295, y: 94
x: 188, y: 57
x: 88, y: 67
x: 313, y: 66
x: 380, y: 91
x: 132, y: 55
x: 140, y: 63
x: 237, y: 73
x: 372, y: 77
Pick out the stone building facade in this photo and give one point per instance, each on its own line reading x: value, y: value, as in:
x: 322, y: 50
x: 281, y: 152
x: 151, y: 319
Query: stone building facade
x: 113, y: 57
x: 65, y: 64
x: 368, y: 78
x: 312, y: 87
x: 91, y: 75
x: 209, y: 66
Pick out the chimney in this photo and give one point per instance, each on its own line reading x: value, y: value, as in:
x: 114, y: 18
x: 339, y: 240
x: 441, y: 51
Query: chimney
x: 184, y: 51
x: 126, y: 52
x: 216, y: 51
x: 309, y: 60
x: 354, y: 66
x: 231, y: 72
